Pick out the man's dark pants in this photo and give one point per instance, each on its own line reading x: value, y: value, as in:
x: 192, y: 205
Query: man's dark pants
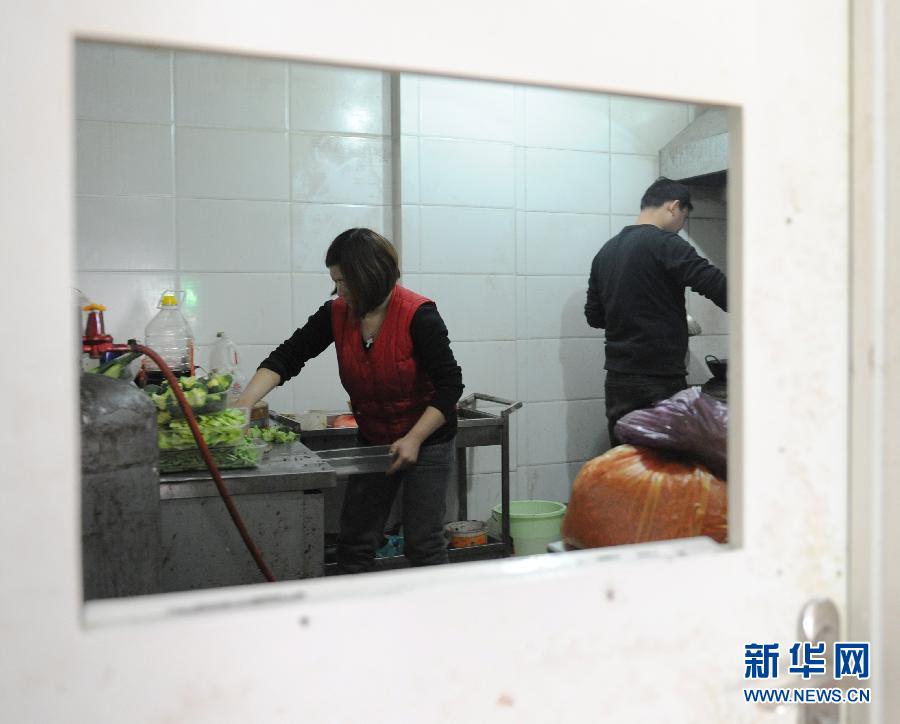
x: 626, y: 393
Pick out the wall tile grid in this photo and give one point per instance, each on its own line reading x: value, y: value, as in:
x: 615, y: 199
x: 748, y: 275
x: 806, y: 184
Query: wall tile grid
x: 506, y: 193
x: 226, y: 177
x: 511, y: 192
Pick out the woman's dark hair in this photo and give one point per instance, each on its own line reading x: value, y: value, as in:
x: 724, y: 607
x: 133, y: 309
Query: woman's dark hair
x: 663, y: 190
x: 368, y: 264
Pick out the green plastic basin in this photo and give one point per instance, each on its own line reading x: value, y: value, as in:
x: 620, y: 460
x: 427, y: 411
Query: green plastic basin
x: 533, y: 524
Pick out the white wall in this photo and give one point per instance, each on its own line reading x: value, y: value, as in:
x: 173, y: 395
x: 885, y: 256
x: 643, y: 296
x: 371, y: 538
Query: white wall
x: 508, y: 192
x: 649, y: 639
x: 229, y: 176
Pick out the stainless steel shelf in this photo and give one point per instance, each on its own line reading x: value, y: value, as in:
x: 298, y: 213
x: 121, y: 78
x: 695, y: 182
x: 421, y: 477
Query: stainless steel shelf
x: 476, y: 427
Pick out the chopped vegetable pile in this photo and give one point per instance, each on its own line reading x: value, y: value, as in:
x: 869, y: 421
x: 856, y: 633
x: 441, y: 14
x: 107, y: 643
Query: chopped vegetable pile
x: 204, y: 395
x: 220, y: 428
x: 117, y: 368
x: 274, y: 433
x: 243, y: 455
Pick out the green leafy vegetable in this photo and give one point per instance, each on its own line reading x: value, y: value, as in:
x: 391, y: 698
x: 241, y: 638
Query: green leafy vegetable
x: 204, y: 394
x: 245, y: 454
x: 220, y: 428
x: 274, y: 433
x: 117, y: 368
x: 218, y: 383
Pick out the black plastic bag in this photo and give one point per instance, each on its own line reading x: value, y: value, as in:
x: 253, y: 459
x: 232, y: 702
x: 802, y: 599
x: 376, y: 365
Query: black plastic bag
x: 689, y: 423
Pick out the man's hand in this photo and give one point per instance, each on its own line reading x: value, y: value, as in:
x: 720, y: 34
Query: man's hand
x: 405, y: 452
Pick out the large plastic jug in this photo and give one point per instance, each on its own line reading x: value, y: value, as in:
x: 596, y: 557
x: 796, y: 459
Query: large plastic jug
x: 224, y: 359
x: 170, y: 336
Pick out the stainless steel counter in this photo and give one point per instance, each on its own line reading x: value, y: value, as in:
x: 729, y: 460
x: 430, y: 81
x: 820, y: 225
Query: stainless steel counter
x: 476, y: 427
x: 287, y: 467
x: 282, y: 503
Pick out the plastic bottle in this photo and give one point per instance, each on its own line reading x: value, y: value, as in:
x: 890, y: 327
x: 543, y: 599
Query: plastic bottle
x: 223, y: 359
x: 170, y: 336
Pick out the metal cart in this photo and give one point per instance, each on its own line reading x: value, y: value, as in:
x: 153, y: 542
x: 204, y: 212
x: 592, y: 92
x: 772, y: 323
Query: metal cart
x: 476, y: 427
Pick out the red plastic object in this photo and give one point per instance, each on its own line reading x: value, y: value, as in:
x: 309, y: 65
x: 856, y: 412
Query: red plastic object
x: 344, y: 421
x: 95, y: 341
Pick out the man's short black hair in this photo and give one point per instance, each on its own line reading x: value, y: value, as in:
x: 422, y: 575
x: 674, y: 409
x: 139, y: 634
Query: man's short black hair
x: 663, y: 190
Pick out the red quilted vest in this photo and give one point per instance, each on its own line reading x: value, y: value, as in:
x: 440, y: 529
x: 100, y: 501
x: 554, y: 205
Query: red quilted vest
x: 387, y: 389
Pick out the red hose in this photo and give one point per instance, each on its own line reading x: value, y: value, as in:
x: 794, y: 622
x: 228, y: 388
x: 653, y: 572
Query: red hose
x: 204, y: 451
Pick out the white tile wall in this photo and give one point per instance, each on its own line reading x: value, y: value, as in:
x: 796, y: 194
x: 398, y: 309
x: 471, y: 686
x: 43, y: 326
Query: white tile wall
x: 484, y: 494
x: 551, y: 482
x: 466, y: 173
x: 125, y: 232
x: 633, y: 175
x: 230, y: 164
x: 563, y: 243
x: 488, y: 367
x: 452, y: 108
x: 467, y: 240
x: 119, y: 159
x: 559, y: 432
x: 410, y: 252
x: 409, y: 103
x: 563, y: 369
x: 280, y: 399
x: 554, y: 306
x: 575, y: 181
x: 314, y: 227
x: 230, y: 91
x: 340, y: 169
x: 309, y: 292
x: 522, y: 307
x: 475, y: 308
x: 122, y: 83
x: 566, y: 119
x: 318, y: 386
x: 412, y: 281
x: 234, y: 235
x: 409, y: 169
x: 340, y: 100
x: 251, y: 308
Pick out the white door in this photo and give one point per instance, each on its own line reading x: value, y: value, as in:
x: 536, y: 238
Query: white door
x: 654, y: 633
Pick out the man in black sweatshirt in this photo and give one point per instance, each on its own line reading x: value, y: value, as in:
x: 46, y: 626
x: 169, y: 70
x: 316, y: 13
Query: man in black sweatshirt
x: 636, y: 293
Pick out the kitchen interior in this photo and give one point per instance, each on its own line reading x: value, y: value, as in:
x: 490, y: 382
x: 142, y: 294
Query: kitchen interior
x: 226, y: 178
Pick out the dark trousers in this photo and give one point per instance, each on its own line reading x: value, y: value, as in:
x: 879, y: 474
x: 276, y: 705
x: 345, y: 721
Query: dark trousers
x: 626, y: 393
x: 367, y: 505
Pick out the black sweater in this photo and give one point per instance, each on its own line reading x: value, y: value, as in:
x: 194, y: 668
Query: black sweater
x: 431, y: 348
x: 636, y: 293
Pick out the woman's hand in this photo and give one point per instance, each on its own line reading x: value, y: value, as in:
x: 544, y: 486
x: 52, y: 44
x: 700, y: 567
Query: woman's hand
x: 260, y: 385
x: 405, y: 452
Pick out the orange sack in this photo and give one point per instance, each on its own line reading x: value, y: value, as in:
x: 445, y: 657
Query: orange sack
x: 634, y: 494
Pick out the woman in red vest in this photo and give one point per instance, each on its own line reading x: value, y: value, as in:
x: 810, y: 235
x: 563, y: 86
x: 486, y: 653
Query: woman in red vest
x: 395, y: 362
